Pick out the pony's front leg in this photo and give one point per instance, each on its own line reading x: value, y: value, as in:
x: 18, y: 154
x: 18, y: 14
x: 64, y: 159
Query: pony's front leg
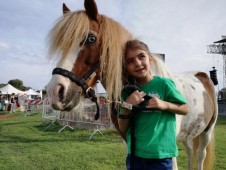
x: 175, y: 167
x: 189, y: 150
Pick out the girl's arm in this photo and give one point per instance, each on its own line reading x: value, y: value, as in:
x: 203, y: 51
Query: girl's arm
x: 135, y: 99
x: 123, y: 122
x: 181, y: 109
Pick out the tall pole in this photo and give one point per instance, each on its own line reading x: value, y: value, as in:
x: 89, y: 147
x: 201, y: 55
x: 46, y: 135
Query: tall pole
x: 224, y: 71
x: 219, y: 47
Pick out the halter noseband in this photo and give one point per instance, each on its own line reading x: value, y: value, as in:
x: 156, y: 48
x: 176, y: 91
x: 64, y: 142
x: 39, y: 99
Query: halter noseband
x: 81, y: 81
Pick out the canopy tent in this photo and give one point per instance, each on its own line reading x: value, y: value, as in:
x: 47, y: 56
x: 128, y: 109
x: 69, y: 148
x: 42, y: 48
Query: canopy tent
x: 99, y: 89
x: 31, y: 92
x: 9, y: 89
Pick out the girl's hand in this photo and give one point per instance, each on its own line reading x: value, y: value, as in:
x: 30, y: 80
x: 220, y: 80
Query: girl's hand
x: 135, y: 98
x: 156, y: 103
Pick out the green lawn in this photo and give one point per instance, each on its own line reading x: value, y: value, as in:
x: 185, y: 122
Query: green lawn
x: 25, y: 145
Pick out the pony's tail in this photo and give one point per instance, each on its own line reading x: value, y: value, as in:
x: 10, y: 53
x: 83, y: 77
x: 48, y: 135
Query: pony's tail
x: 210, y: 149
x: 210, y: 154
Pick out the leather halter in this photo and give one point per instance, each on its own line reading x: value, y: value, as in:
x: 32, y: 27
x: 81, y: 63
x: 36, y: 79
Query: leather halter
x: 81, y: 81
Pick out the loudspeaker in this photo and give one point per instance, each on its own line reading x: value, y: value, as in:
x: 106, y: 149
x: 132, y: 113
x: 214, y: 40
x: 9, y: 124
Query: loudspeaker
x: 213, y: 76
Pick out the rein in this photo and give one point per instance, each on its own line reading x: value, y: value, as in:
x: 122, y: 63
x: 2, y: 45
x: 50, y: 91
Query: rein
x: 81, y: 81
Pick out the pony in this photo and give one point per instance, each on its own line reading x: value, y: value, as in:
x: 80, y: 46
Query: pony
x: 90, y: 47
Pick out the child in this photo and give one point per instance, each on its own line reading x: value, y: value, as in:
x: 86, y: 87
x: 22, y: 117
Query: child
x: 155, y: 131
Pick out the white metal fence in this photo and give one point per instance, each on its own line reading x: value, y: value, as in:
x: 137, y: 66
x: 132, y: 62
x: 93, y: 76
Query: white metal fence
x: 83, y: 120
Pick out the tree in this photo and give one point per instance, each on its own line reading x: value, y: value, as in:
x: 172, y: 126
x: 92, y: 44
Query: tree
x: 17, y: 84
x: 2, y: 85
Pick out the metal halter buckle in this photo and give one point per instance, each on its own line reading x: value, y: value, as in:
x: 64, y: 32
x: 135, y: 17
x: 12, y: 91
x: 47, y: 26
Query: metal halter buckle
x: 127, y: 106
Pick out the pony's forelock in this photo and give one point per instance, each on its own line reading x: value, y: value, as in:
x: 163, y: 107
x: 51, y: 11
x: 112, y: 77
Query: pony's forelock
x: 68, y: 32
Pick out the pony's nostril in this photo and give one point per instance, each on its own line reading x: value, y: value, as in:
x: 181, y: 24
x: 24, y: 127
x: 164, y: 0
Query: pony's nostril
x: 61, y: 93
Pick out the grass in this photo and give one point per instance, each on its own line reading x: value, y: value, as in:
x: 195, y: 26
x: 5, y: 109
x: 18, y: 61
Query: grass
x: 220, y: 141
x: 25, y: 145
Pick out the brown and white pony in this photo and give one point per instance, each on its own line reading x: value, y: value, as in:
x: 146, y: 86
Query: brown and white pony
x: 90, y: 47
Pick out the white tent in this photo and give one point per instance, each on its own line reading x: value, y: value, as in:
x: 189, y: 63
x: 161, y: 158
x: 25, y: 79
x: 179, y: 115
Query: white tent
x: 31, y: 92
x: 9, y: 89
x: 99, y: 89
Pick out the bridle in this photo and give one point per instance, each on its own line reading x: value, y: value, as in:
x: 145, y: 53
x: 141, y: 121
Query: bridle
x: 81, y: 81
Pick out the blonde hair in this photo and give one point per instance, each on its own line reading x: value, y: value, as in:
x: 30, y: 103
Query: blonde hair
x: 67, y: 33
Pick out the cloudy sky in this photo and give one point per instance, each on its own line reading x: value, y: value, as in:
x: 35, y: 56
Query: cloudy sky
x: 181, y: 29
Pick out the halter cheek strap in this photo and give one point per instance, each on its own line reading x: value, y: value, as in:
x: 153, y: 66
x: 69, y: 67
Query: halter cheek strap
x: 81, y: 81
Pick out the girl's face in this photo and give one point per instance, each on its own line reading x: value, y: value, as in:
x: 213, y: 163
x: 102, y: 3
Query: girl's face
x: 137, y: 64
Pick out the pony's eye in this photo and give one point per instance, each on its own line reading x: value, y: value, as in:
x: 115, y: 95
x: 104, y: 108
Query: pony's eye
x: 90, y: 39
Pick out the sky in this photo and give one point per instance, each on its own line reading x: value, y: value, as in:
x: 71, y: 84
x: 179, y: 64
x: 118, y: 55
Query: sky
x: 180, y: 29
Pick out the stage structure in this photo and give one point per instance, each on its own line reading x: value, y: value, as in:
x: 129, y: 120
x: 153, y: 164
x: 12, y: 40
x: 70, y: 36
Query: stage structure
x: 219, y: 47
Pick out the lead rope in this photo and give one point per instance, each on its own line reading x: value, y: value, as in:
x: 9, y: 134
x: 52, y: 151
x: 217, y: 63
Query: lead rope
x: 135, y: 110
x: 97, y: 115
x: 92, y: 96
x: 132, y: 133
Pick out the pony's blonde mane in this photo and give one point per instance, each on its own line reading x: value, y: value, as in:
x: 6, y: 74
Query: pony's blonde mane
x: 114, y: 39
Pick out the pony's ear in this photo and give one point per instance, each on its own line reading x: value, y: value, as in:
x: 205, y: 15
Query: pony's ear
x: 91, y: 9
x: 65, y: 9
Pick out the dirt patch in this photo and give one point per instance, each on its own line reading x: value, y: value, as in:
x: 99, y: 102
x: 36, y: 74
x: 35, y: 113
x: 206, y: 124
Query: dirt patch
x: 6, y: 116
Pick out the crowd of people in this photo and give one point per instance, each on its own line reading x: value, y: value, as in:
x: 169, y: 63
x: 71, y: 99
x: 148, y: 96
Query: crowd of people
x: 9, y: 102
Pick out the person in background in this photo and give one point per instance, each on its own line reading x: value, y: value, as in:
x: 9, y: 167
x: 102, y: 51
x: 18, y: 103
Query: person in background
x: 155, y: 131
x: 17, y: 101
x: 13, y: 103
x: 1, y: 101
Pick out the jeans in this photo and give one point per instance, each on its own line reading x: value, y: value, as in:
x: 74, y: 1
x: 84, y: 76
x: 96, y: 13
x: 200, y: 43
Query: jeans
x: 149, y: 164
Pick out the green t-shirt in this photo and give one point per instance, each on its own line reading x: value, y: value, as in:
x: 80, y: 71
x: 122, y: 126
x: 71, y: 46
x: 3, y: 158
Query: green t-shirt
x: 155, y: 131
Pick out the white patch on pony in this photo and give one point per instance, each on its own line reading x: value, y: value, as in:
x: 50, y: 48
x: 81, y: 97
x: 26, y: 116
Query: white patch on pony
x: 68, y: 62
x: 193, y: 123
x: 53, y: 87
x: 57, y: 81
